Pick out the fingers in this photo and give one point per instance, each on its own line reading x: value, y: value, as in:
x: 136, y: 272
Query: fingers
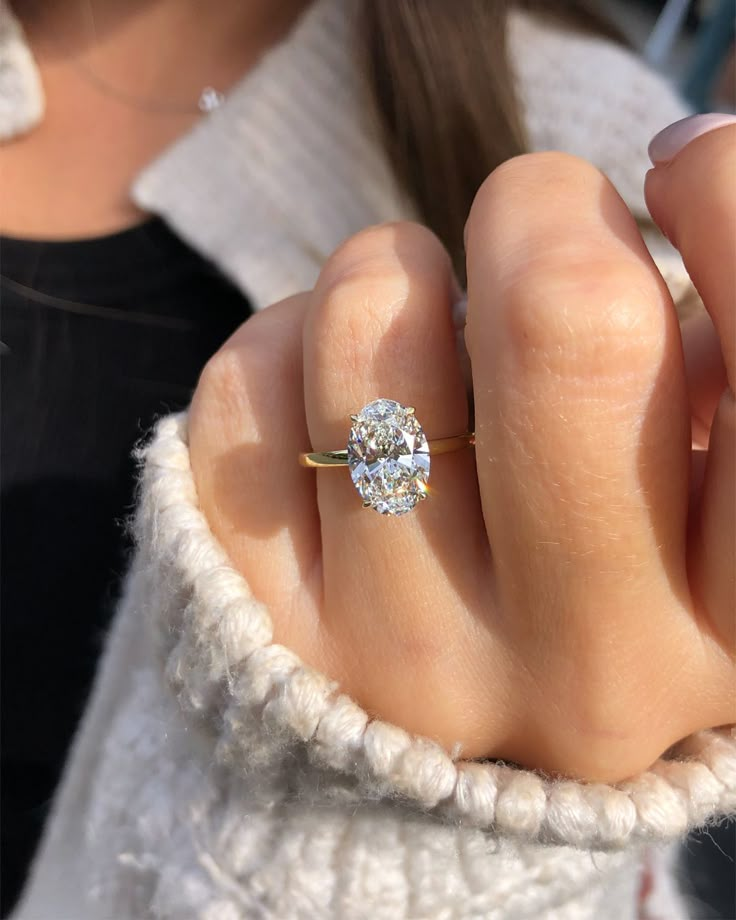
x: 582, y: 422
x: 380, y: 325
x: 247, y: 426
x: 693, y: 199
x: 706, y: 374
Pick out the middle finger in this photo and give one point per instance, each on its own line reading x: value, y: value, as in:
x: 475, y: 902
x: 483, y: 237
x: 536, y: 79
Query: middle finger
x: 583, y: 435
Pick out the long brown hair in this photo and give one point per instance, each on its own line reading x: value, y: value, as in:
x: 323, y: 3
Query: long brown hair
x: 442, y: 82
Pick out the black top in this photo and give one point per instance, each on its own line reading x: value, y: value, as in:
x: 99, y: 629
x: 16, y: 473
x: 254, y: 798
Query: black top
x: 99, y: 337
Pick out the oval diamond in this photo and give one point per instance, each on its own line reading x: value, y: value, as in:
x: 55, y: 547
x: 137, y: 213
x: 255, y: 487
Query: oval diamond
x: 388, y: 456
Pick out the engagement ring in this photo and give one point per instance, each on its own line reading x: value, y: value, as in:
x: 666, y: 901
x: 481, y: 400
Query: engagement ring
x: 388, y: 455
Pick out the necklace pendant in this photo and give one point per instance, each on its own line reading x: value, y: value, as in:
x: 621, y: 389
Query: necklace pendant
x: 210, y: 99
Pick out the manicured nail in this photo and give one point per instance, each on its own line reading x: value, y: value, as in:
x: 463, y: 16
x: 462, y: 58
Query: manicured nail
x: 669, y: 142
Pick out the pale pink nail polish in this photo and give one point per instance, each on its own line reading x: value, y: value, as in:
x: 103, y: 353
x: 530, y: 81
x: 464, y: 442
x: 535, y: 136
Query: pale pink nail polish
x: 669, y: 142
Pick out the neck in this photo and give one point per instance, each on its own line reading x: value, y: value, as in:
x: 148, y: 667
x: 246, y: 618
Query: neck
x: 178, y: 46
x: 122, y: 81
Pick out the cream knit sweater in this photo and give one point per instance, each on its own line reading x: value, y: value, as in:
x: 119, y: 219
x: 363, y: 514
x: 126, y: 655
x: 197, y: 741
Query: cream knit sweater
x: 215, y: 776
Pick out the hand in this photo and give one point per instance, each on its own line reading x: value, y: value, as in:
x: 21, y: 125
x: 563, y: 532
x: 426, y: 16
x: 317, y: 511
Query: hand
x: 552, y: 603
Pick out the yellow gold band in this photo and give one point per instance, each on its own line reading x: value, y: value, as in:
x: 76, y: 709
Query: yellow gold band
x: 327, y: 458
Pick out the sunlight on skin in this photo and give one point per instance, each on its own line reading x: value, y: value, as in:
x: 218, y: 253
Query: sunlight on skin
x: 538, y: 606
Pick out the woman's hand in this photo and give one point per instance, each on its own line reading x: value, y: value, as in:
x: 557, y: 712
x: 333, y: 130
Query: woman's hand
x: 552, y: 603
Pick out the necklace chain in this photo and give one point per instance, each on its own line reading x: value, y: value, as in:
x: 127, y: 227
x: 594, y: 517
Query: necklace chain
x: 209, y: 97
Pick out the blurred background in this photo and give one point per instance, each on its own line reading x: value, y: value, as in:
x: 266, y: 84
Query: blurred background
x: 690, y: 42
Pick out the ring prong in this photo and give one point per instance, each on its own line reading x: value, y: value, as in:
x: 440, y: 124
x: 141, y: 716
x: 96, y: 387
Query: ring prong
x: 410, y: 410
x: 367, y: 504
x: 353, y: 418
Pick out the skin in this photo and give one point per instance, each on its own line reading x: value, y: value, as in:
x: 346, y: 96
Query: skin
x: 565, y: 599
x: 166, y: 51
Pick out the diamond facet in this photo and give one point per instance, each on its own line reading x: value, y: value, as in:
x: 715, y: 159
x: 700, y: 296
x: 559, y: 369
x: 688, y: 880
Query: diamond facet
x: 388, y: 456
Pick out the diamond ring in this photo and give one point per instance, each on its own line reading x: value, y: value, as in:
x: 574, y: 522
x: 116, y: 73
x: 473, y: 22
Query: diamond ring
x: 388, y: 455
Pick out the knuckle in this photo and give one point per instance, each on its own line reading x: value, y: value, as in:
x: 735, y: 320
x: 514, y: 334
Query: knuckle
x: 223, y: 371
x: 360, y: 296
x: 381, y: 243
x: 222, y: 382
x: 381, y: 257
x: 585, y: 315
x: 266, y: 347
x: 522, y: 174
x: 353, y: 313
x: 374, y: 277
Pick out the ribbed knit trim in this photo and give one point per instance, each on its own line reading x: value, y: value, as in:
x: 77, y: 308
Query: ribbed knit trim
x: 221, y: 661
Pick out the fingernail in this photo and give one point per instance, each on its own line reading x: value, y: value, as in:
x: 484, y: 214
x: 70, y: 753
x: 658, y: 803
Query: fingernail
x: 668, y: 143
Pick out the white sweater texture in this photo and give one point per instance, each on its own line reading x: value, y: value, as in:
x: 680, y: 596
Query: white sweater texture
x: 217, y: 777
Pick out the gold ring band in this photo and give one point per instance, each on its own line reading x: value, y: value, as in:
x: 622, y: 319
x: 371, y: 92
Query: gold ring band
x: 388, y: 455
x: 327, y: 458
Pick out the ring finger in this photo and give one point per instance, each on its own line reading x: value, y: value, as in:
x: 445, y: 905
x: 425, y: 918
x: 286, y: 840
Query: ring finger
x: 380, y: 325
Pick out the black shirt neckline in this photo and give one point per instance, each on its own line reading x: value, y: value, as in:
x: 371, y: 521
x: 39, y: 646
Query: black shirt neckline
x: 120, y: 269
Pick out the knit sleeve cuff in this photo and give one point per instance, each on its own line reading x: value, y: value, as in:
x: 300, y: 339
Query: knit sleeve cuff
x: 261, y: 702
